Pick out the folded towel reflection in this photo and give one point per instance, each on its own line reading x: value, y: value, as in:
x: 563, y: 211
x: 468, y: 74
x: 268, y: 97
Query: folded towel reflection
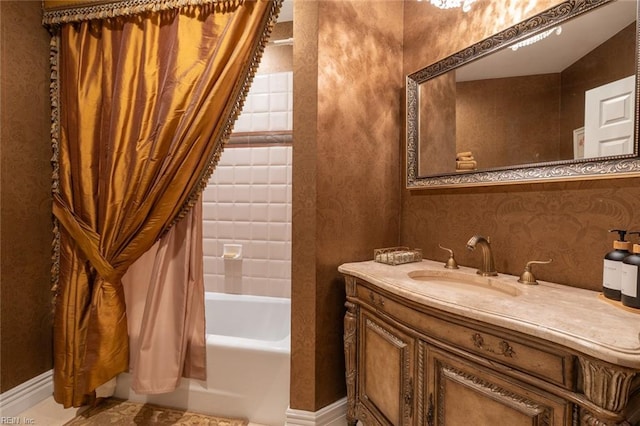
x: 466, y: 165
x: 465, y: 161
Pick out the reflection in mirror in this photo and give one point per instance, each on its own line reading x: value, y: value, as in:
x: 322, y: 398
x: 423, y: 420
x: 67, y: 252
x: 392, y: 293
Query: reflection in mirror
x: 529, y: 101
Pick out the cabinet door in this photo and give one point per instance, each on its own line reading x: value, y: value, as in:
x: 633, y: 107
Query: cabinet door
x: 460, y: 393
x: 386, y: 369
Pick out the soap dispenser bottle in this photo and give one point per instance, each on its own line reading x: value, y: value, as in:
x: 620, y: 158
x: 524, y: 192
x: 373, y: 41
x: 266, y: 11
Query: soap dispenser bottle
x: 612, y: 272
x: 631, y: 278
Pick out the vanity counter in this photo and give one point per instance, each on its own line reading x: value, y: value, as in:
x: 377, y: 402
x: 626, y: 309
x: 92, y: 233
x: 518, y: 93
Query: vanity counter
x: 425, y: 345
x: 575, y: 318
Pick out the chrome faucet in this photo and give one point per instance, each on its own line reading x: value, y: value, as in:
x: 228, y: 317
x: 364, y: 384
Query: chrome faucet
x: 488, y: 268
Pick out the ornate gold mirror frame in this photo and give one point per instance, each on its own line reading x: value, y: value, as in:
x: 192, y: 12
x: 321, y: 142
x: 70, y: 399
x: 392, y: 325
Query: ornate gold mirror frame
x: 591, y: 168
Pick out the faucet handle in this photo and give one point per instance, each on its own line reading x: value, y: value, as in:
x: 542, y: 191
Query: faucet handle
x: 527, y: 276
x: 451, y: 262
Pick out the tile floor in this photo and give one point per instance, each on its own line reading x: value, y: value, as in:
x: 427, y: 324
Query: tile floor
x: 50, y: 413
x: 47, y: 413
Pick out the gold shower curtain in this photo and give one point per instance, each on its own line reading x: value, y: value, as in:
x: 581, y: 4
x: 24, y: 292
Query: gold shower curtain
x: 144, y: 97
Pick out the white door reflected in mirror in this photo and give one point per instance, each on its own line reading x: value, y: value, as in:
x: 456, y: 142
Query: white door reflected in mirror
x: 610, y: 119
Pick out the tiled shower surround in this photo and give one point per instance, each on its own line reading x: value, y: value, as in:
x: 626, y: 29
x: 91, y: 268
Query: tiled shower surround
x: 248, y: 200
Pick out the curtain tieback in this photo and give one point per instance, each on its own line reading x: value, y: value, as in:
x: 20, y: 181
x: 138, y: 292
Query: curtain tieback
x: 87, y: 239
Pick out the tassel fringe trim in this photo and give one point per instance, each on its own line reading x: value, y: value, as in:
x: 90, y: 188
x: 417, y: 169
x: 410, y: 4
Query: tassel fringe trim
x: 54, y: 98
x: 234, y: 111
x: 117, y: 8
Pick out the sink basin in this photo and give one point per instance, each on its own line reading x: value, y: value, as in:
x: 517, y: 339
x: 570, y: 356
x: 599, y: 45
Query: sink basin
x: 466, y: 282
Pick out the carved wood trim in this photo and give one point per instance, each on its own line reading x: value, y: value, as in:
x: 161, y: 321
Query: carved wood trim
x: 350, y: 358
x: 421, y: 382
x: 350, y: 285
x: 504, y: 347
x: 606, y: 385
x: 405, y: 367
x: 518, y: 402
x: 587, y: 418
x: 366, y: 417
x: 399, y: 343
x: 376, y: 302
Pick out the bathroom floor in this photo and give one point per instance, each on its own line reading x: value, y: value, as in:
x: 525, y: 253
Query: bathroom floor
x: 50, y: 413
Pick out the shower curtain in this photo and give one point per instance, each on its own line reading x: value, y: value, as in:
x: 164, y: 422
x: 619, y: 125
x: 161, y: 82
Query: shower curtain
x: 164, y: 290
x: 144, y: 95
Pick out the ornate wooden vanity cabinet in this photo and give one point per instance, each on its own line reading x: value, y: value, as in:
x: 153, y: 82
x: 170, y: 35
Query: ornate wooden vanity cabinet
x: 420, y: 355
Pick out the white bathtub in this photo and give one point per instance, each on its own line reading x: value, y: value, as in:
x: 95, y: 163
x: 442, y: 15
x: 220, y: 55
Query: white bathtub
x: 248, y: 355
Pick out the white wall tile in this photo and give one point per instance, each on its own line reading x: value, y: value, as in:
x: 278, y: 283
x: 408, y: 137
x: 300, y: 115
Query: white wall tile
x: 242, y: 212
x: 278, y: 194
x: 260, y: 84
x: 242, y: 175
x: 242, y: 194
x: 260, y: 231
x: 242, y: 157
x: 260, y: 121
x: 209, y: 245
x: 278, y: 174
x: 261, y: 103
x: 226, y: 230
x: 209, y: 211
x: 208, y: 265
x: 259, y: 175
x: 260, y: 156
x: 259, y: 212
x: 277, y: 232
x: 279, y: 82
x: 261, y: 249
x: 242, y: 230
x: 279, y: 102
x: 259, y: 193
x: 278, y: 121
x: 278, y: 213
x: 269, y: 94
x: 248, y: 199
x: 226, y: 212
x: 242, y: 124
x: 279, y: 156
x: 225, y: 192
x: 223, y: 174
x: 210, y: 193
x: 209, y: 229
x: 279, y: 250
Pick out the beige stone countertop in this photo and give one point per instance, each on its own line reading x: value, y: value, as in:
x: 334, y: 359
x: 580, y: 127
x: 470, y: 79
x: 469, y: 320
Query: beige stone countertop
x: 576, y: 318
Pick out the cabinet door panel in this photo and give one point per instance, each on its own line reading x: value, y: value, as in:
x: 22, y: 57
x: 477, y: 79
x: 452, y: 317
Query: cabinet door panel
x: 464, y: 393
x: 386, y: 368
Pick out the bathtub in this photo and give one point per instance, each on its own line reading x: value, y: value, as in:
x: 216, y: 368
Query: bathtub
x: 248, y: 355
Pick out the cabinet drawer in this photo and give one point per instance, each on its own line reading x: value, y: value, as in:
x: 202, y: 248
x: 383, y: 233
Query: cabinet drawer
x: 463, y: 390
x: 545, y: 361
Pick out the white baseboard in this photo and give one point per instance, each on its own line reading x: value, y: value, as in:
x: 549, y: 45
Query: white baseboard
x: 332, y: 415
x: 26, y: 395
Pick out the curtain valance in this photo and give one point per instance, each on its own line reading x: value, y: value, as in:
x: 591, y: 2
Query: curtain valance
x: 66, y: 11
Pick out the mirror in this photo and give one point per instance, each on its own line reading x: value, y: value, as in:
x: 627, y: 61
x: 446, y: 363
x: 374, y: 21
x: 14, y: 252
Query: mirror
x: 553, y: 97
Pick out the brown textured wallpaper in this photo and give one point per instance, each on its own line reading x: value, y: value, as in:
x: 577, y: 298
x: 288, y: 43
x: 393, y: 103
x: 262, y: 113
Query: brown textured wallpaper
x: 565, y: 221
x: 346, y: 173
x: 25, y: 229
x: 438, y: 133
x: 500, y: 129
